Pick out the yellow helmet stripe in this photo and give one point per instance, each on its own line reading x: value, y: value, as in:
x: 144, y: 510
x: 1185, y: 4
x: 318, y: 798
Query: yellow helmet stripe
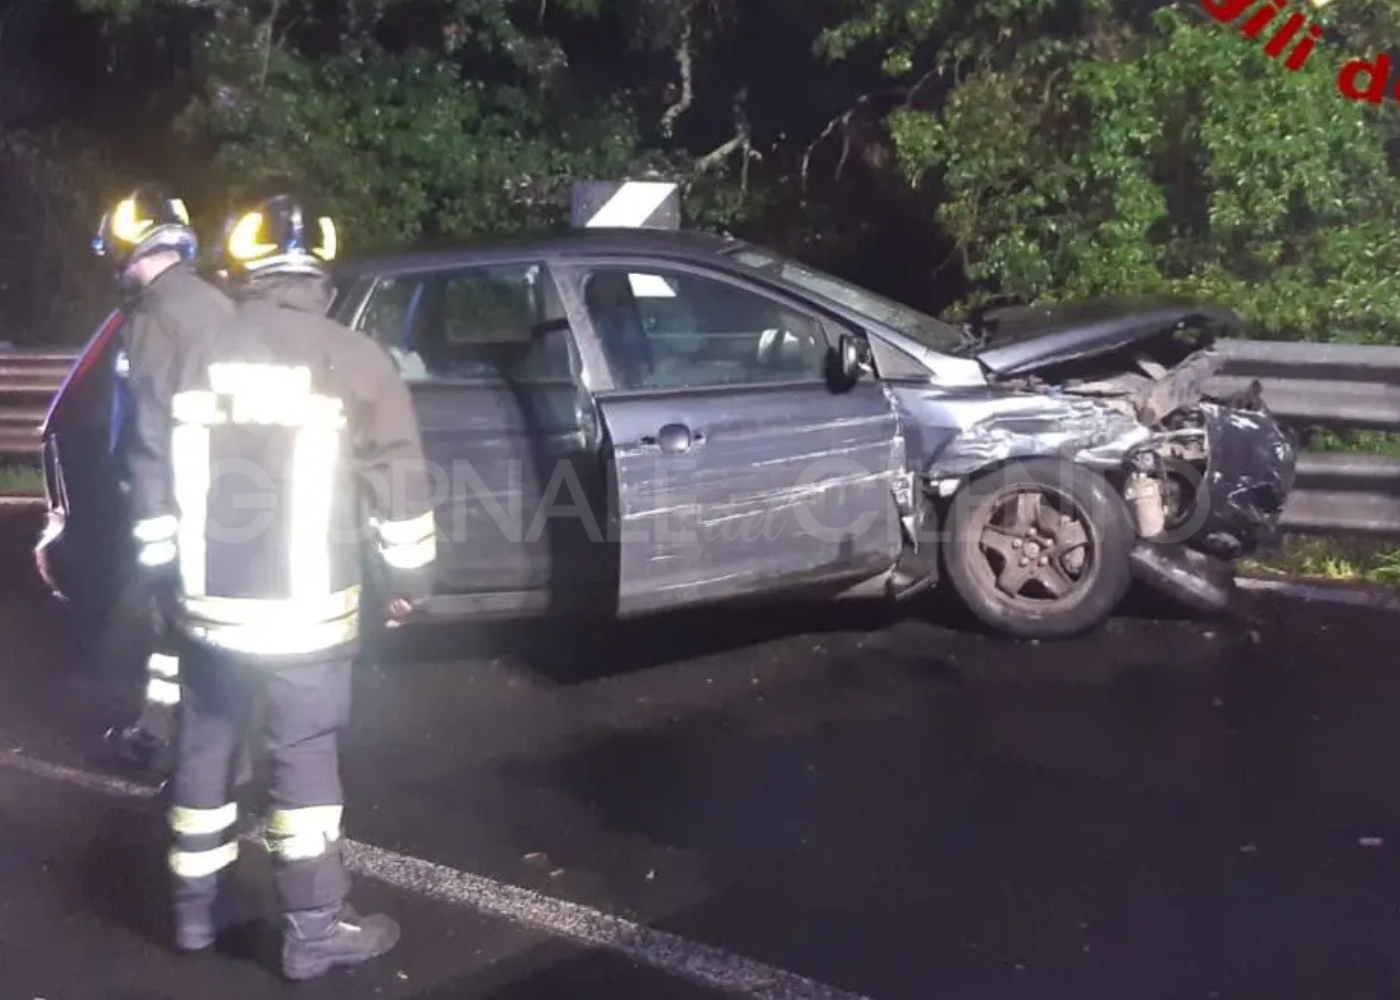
x: 328, y: 246
x: 243, y: 238
x: 125, y: 225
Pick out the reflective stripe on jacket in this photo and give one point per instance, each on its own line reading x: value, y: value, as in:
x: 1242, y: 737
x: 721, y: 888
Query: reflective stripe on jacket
x: 279, y: 426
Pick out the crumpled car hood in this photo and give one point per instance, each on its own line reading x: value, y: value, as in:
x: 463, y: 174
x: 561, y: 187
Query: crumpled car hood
x: 1023, y: 339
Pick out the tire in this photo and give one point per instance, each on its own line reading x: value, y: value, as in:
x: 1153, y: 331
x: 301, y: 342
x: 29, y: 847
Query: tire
x: 1020, y: 509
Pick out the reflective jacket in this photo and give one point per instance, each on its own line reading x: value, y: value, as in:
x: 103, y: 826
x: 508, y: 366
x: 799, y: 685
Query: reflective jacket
x: 290, y: 443
x: 175, y: 309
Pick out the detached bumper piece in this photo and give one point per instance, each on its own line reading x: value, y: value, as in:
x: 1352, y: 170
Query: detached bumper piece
x: 1200, y: 581
x: 1252, y: 464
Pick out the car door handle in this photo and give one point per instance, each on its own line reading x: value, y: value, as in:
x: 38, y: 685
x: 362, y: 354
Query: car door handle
x: 673, y: 438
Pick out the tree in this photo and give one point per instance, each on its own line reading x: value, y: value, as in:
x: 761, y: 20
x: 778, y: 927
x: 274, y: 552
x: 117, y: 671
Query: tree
x: 425, y: 119
x: 1086, y: 149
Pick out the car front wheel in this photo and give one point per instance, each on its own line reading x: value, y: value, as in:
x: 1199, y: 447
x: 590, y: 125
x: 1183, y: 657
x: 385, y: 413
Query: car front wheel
x: 1039, y: 549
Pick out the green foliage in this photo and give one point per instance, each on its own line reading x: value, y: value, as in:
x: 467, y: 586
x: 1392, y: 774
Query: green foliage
x: 20, y: 481
x: 1171, y: 157
x: 1069, y: 147
x: 403, y: 148
x: 1348, y: 559
x: 467, y: 125
x: 50, y: 190
x: 1371, y: 442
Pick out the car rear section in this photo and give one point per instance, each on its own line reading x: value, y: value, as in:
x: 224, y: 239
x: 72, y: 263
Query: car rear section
x: 82, y: 543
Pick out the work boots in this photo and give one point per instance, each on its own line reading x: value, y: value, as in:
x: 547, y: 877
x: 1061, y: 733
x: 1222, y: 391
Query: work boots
x: 315, y: 941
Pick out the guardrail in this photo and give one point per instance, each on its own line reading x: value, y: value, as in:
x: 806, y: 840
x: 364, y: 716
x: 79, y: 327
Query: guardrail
x: 1331, y: 386
x: 28, y: 382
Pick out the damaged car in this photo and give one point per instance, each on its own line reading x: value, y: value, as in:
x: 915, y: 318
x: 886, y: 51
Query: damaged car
x: 1061, y: 452
x: 623, y: 422
x: 1084, y: 450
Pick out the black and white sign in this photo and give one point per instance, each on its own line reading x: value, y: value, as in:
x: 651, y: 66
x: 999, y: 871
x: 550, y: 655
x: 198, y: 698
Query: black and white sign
x: 626, y: 205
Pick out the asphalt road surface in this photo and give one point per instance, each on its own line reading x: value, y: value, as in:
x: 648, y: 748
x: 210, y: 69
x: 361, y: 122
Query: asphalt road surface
x: 775, y: 804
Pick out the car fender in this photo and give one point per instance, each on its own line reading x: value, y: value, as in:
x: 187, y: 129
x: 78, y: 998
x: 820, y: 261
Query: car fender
x: 955, y: 435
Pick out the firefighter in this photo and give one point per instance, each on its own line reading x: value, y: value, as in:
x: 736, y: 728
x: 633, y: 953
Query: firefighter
x: 147, y: 238
x: 290, y: 443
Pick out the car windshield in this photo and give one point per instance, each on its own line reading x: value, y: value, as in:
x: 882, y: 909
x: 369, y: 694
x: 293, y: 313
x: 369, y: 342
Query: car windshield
x: 931, y: 333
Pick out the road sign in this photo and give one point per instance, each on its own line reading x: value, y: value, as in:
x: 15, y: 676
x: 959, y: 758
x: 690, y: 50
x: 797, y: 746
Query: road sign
x: 626, y: 205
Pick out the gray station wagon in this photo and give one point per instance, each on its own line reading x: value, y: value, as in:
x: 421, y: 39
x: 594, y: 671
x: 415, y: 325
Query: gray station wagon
x: 623, y: 422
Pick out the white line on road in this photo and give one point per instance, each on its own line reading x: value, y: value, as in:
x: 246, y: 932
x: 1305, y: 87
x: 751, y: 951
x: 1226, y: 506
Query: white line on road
x: 104, y: 783
x: 21, y: 501
x: 678, y: 956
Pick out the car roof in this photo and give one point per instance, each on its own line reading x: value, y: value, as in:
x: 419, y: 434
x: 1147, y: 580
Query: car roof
x: 673, y: 243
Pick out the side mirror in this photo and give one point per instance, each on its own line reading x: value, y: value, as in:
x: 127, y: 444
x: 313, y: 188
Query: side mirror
x: 851, y: 358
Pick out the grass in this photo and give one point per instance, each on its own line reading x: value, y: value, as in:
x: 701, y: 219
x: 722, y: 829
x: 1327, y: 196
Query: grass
x: 20, y: 480
x: 1334, y: 557
x: 1331, y: 558
x: 1369, y: 442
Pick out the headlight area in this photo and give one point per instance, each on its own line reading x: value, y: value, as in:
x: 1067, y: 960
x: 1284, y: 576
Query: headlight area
x: 1253, y: 460
x: 1217, y: 479
x: 1163, y: 479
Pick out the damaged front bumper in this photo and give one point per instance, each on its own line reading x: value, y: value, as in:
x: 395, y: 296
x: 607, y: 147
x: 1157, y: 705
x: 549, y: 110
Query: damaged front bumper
x: 1249, y: 476
x: 1239, y: 503
x: 1239, y: 479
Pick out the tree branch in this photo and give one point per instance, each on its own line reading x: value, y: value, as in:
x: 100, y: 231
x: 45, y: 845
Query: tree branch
x: 912, y: 94
x: 839, y: 121
x: 720, y: 153
x: 740, y: 142
x: 844, y: 120
x: 685, y: 62
x: 269, y: 33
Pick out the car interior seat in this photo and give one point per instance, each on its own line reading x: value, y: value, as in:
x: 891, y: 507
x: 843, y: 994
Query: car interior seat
x: 608, y: 296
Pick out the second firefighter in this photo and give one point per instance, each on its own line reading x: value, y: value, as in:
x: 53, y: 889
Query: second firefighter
x: 289, y: 441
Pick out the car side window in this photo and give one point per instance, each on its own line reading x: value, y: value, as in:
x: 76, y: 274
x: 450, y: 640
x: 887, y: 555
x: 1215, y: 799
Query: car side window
x: 664, y: 329
x: 387, y: 310
x: 487, y: 324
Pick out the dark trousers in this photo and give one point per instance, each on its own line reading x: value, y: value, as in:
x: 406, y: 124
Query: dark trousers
x: 304, y: 707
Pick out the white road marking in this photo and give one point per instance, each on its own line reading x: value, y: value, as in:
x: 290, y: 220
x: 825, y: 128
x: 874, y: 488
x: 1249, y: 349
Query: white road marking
x: 21, y: 501
x: 103, y: 783
x: 674, y: 955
